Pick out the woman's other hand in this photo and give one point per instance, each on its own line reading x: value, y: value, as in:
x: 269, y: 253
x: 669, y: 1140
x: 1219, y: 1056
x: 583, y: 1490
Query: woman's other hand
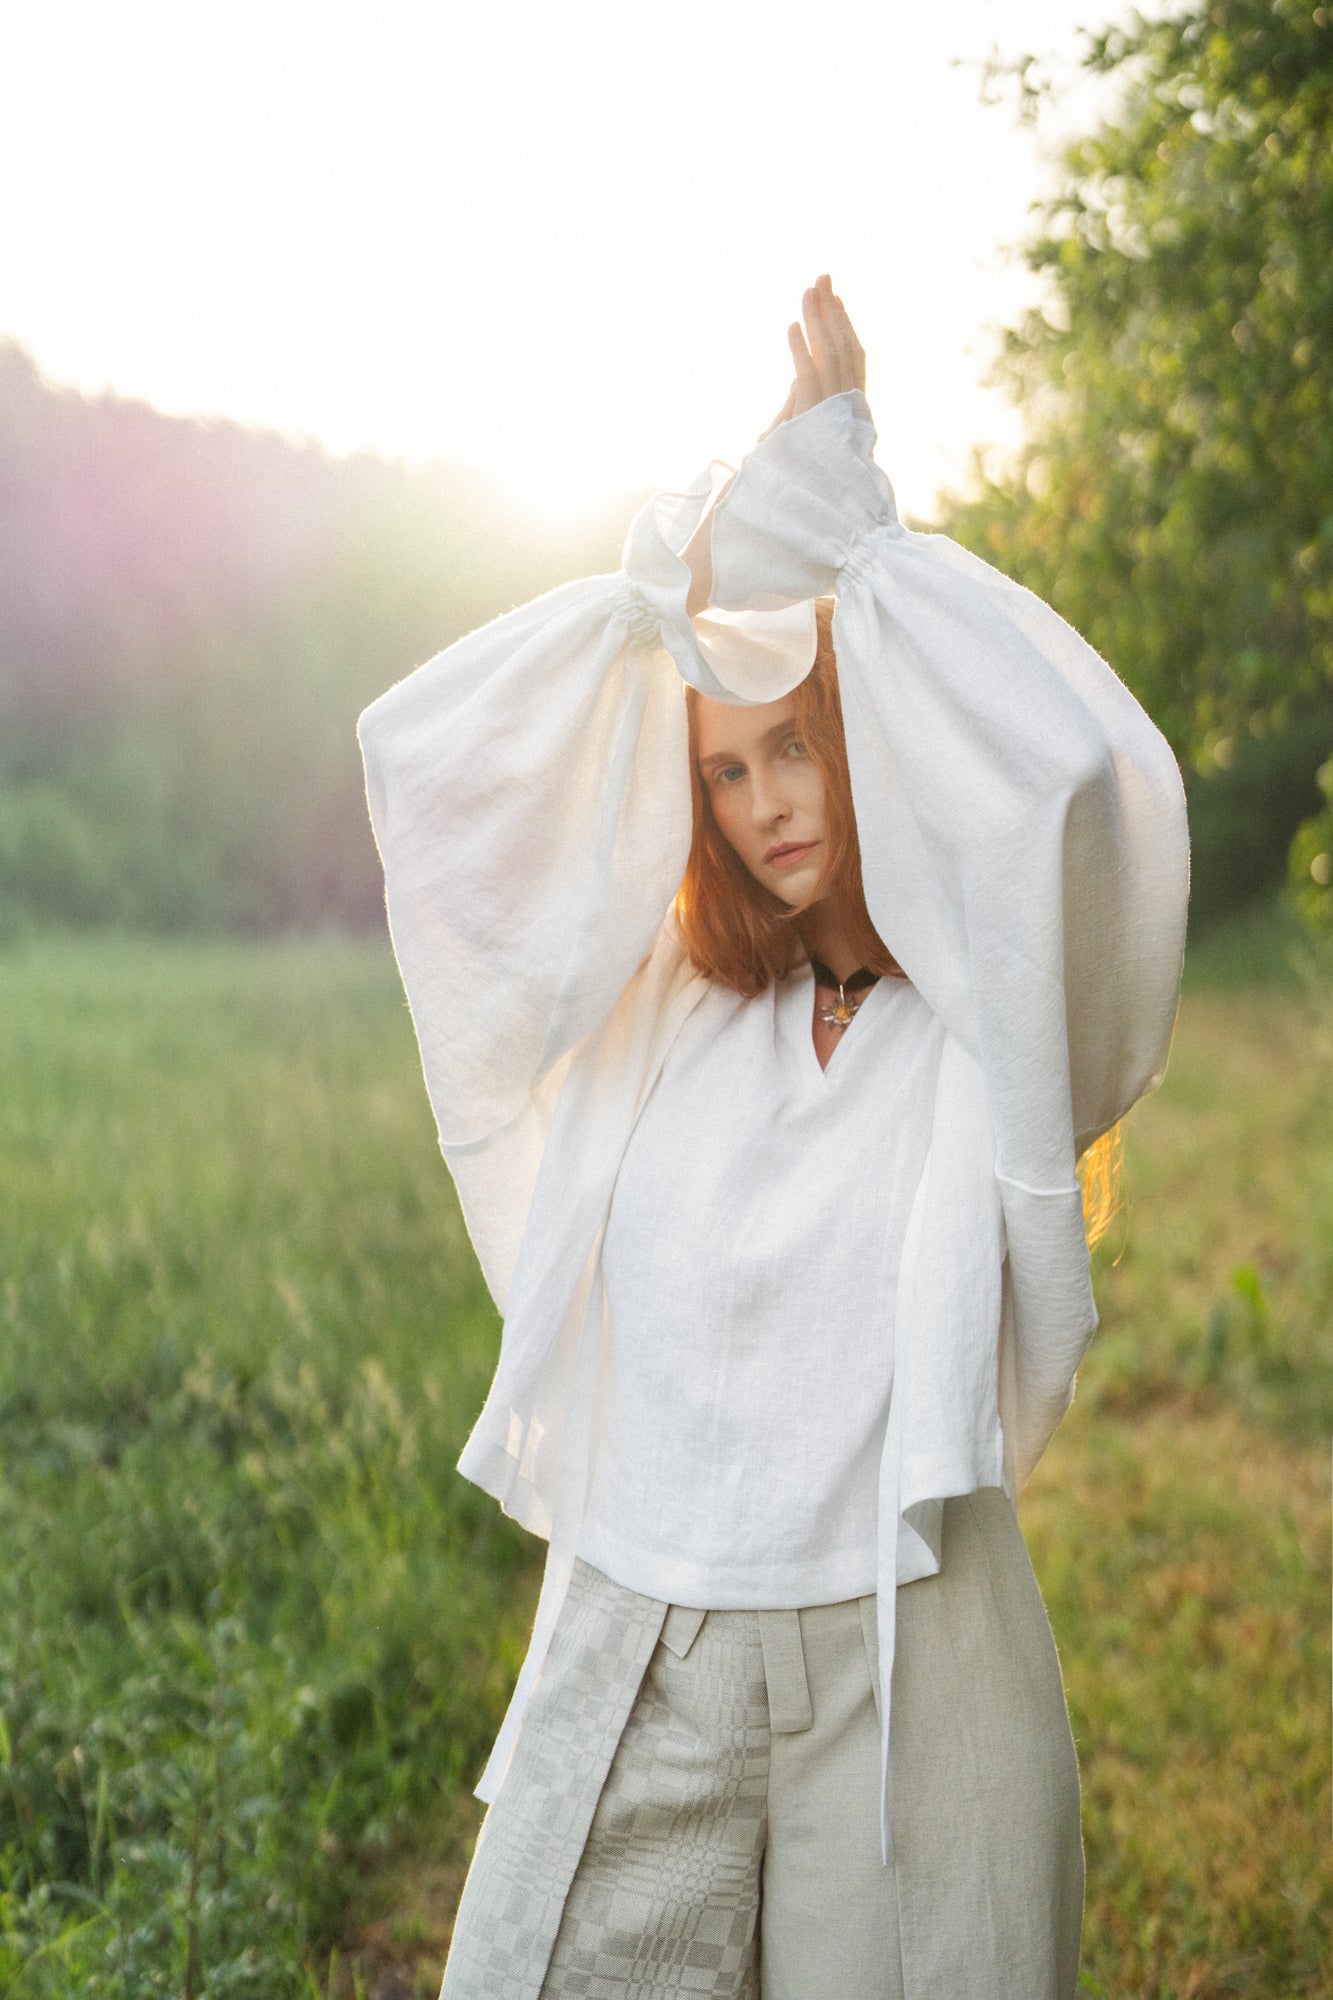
x: 827, y: 356
x: 828, y: 359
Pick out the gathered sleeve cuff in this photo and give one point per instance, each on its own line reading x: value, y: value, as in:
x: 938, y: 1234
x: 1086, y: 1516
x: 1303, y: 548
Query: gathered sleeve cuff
x: 1021, y: 819
x: 529, y: 793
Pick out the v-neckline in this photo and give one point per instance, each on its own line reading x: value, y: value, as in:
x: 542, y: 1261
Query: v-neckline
x: 871, y: 999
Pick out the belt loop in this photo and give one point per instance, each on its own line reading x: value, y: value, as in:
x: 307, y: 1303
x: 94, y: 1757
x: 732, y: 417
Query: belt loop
x: 680, y: 1628
x: 789, y: 1708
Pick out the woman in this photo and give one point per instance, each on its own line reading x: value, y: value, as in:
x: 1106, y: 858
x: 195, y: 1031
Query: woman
x: 773, y: 967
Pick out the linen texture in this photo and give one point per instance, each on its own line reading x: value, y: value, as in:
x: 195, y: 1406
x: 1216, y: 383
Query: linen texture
x: 528, y: 1850
x: 1025, y: 856
x: 711, y: 1827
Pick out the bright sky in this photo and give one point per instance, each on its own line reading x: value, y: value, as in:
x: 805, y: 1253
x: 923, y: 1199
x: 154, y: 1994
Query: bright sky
x: 561, y: 242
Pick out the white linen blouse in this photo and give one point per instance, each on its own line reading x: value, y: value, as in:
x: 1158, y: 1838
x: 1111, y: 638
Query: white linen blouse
x: 751, y: 1266
x: 1025, y: 859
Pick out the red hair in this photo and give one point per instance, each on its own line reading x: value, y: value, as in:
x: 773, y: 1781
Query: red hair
x: 735, y: 930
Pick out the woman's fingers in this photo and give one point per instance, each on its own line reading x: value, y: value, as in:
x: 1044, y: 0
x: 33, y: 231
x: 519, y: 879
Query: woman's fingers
x: 823, y: 347
x: 842, y: 334
x: 827, y: 356
x: 851, y: 359
x: 851, y: 353
x: 806, y: 389
x: 837, y: 353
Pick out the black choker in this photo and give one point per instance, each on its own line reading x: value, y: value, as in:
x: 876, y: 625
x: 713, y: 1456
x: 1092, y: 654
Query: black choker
x: 844, y: 1010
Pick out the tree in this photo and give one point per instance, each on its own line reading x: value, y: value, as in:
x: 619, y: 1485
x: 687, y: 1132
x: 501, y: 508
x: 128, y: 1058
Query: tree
x: 191, y: 616
x: 1175, y: 489
x: 1174, y: 496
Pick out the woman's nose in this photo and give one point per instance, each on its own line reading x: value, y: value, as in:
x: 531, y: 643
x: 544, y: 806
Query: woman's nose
x: 769, y: 802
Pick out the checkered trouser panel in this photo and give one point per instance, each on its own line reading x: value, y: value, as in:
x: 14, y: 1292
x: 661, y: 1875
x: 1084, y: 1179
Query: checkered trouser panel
x: 666, y: 1900
x: 534, y: 1834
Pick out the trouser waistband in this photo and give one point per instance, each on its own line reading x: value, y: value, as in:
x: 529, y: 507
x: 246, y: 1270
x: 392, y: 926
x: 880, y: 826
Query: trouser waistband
x: 789, y: 1706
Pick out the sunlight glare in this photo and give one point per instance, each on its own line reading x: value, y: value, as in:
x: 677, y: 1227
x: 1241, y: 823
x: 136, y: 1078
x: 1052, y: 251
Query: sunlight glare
x: 561, y: 245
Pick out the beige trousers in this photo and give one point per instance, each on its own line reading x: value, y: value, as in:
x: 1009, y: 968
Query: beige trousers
x: 693, y: 1805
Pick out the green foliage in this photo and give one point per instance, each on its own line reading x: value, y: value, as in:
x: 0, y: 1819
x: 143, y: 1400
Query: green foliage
x: 256, y: 1634
x: 1179, y: 1522
x: 1245, y: 811
x: 1311, y: 867
x: 254, y: 1630
x: 1183, y: 1558
x: 1263, y: 946
x: 1227, y: 1246
x: 50, y: 861
x: 192, y: 616
x: 1172, y: 497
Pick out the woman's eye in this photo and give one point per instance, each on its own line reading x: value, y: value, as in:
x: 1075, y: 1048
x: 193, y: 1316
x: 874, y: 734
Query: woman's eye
x: 727, y: 774
x: 796, y: 746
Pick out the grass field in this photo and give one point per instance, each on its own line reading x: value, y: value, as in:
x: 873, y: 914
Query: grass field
x: 256, y: 1634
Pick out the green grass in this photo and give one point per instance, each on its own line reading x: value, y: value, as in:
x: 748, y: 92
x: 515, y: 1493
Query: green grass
x: 256, y: 1634
x: 253, y: 1627
x: 1179, y: 1522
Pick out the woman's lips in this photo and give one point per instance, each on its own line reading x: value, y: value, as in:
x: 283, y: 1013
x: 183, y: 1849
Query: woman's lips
x: 788, y: 855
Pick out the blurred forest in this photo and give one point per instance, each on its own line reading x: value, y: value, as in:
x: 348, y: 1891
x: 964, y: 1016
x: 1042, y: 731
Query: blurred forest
x: 192, y: 614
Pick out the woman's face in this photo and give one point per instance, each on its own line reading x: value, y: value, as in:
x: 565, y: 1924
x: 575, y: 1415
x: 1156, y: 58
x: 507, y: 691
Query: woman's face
x: 766, y: 793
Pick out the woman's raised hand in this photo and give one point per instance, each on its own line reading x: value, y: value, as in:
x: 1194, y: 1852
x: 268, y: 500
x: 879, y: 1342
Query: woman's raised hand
x: 825, y: 352
x: 828, y: 358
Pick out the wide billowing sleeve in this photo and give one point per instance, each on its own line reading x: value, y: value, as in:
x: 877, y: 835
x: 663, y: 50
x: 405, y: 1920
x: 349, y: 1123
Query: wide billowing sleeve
x: 1022, y: 827
x: 529, y: 793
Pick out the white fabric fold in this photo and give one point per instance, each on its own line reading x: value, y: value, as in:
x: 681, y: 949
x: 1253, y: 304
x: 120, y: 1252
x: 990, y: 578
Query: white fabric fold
x: 943, y: 1435
x: 1025, y: 858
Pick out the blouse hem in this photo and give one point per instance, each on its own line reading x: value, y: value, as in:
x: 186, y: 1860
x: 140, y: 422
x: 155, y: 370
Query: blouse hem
x: 745, y: 1587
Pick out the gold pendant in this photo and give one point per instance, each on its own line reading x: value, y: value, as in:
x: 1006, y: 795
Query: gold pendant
x: 840, y: 1013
